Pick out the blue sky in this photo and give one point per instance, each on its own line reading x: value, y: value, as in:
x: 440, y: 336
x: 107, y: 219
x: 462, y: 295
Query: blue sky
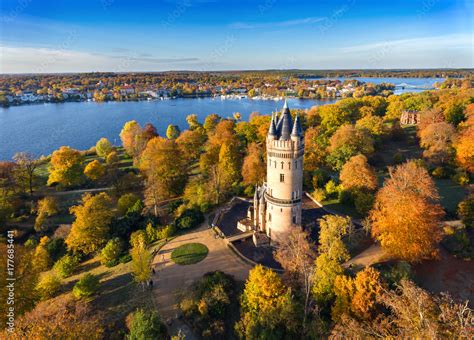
x: 117, y: 35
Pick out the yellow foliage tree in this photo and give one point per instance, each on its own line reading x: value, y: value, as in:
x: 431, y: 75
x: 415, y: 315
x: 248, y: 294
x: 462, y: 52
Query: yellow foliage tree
x: 94, y: 170
x: 266, y: 306
x: 89, y: 231
x: 66, y: 167
x: 141, y: 259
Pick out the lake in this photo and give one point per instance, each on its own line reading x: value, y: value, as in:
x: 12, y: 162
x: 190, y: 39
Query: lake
x: 43, y: 128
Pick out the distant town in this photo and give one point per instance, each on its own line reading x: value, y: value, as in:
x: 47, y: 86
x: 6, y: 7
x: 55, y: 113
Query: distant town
x: 265, y: 85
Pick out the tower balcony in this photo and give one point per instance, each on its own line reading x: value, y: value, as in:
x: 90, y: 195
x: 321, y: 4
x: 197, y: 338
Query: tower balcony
x: 284, y: 202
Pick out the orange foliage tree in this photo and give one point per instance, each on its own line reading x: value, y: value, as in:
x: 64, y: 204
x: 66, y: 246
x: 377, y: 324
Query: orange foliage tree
x: 165, y: 171
x: 253, y: 168
x: 358, y: 174
x: 406, y: 216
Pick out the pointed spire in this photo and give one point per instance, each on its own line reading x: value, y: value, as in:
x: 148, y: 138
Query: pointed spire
x: 272, y: 131
x: 297, y: 130
x: 285, y: 124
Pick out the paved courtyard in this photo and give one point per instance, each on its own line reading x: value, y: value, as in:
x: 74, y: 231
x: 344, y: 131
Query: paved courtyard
x: 171, y: 280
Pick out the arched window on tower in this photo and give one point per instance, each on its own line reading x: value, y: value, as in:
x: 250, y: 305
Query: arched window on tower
x: 282, y: 165
x: 296, y: 164
x: 289, y: 165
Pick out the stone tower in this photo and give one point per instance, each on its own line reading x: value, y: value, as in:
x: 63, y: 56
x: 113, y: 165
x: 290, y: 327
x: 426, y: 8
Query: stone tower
x: 284, y: 187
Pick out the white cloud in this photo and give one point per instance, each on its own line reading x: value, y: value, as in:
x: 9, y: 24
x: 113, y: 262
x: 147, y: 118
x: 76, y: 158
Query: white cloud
x: 42, y: 60
x: 287, y: 23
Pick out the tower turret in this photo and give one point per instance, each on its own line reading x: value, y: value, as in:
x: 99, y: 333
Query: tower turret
x: 284, y: 187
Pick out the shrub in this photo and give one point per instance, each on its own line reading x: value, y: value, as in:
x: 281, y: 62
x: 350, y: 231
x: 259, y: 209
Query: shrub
x: 190, y: 218
x: 319, y: 195
x: 138, y: 236
x: 110, y: 254
x: 66, y: 265
x: 151, y: 232
x: 439, y: 172
x: 363, y: 201
x: 166, y: 232
x: 86, y: 287
x: 125, y: 258
x: 331, y: 188
x: 345, y: 197
x: 400, y: 271
x: 209, y: 304
x: 48, y: 285
x: 56, y: 248
x: 461, y: 178
x: 126, y: 202
x: 466, y: 211
x: 145, y: 324
x: 31, y: 243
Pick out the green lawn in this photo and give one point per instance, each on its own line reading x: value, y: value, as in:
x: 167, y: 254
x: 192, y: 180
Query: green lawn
x: 189, y: 253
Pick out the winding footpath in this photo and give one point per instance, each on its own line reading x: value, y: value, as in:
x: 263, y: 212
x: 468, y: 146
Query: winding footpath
x: 172, y: 280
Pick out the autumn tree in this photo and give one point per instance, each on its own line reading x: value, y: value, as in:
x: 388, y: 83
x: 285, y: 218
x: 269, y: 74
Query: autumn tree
x: 165, y: 171
x: 437, y: 140
x: 41, y: 258
x: 465, y: 149
x: 172, y: 132
x: 60, y: 318
x: 373, y: 124
x: 410, y: 313
x: 48, y: 285
x: 66, y: 167
x: 332, y: 229
x: 211, y: 122
x: 47, y: 207
x: 367, y: 288
x: 332, y: 253
x: 90, y: 229
x: 190, y: 143
x: 220, y: 163
x: 135, y: 138
x: 103, y: 147
x: 26, y: 278
x: 129, y: 136
x: 428, y: 117
x: 315, y: 149
x: 141, y: 259
x: 254, y: 166
x: 267, y: 310
x: 332, y: 117
x: 94, y: 170
x: 348, y: 141
x: 193, y: 122
x: 466, y: 211
x: 26, y: 166
x: 406, y: 216
x: 296, y: 255
x: 358, y: 174
x: 149, y: 131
